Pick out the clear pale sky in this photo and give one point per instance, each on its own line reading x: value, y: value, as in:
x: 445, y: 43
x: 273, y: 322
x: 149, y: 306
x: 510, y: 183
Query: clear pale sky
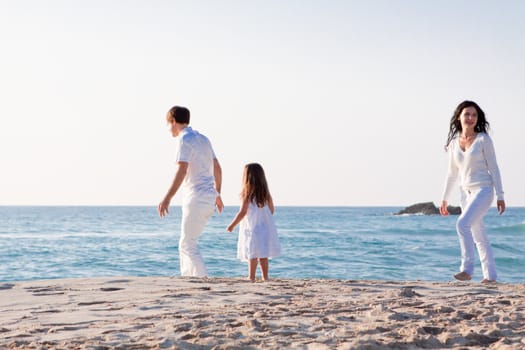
x: 342, y: 102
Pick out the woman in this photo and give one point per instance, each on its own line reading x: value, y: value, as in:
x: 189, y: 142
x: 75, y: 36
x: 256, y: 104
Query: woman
x: 472, y: 158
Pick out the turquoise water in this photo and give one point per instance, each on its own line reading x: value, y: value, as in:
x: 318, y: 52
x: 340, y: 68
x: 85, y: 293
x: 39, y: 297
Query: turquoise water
x: 317, y: 242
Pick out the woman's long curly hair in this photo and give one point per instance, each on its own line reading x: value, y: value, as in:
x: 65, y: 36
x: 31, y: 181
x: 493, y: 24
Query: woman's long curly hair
x: 482, y: 124
x: 255, y: 186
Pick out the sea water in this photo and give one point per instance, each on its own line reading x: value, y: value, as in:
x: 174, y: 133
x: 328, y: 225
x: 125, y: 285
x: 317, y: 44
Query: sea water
x: 317, y: 242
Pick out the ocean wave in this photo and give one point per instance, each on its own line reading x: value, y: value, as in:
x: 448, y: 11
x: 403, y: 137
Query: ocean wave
x: 517, y: 228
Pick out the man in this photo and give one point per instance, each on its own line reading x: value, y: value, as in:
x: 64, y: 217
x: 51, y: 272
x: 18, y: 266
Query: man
x: 200, y: 174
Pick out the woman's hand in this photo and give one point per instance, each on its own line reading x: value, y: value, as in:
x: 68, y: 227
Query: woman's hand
x: 501, y: 206
x: 443, y: 210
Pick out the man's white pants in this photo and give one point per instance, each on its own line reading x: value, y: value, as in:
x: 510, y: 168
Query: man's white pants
x: 195, y: 215
x: 471, y: 230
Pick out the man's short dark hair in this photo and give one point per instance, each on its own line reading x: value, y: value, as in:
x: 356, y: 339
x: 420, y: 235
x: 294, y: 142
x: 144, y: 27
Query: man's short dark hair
x: 179, y: 114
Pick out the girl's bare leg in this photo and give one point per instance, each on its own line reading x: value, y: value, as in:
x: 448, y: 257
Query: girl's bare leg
x: 252, y: 267
x: 264, y: 268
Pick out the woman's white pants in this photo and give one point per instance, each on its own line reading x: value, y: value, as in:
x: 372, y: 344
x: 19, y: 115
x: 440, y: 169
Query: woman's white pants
x: 471, y: 231
x: 195, y: 215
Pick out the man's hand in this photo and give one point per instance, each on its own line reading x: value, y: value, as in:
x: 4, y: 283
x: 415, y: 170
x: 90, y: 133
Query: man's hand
x: 182, y: 169
x: 219, y: 204
x: 163, y: 208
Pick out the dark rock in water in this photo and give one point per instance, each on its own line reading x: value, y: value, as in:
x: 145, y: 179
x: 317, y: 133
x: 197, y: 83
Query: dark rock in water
x: 427, y: 208
x: 454, y: 210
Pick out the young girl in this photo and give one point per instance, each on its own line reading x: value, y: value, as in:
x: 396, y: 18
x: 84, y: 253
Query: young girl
x: 258, y: 238
x: 473, y: 160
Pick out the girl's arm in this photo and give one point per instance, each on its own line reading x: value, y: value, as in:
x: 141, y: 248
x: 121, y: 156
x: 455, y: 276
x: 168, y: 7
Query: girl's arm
x: 241, y: 214
x: 270, y: 204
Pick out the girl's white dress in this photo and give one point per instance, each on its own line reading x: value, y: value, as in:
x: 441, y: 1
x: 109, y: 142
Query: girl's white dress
x: 258, y: 235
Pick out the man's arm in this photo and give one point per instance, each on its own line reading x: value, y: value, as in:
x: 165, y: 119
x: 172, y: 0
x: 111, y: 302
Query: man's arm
x: 182, y: 169
x: 217, y: 174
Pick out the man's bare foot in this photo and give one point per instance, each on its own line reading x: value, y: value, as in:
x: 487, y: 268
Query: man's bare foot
x: 463, y: 276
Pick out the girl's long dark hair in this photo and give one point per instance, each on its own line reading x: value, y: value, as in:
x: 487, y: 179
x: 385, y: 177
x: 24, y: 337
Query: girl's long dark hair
x: 482, y: 124
x: 255, y: 186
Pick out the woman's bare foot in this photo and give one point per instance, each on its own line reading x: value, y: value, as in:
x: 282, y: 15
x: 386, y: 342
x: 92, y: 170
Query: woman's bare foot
x: 463, y: 276
x: 485, y: 280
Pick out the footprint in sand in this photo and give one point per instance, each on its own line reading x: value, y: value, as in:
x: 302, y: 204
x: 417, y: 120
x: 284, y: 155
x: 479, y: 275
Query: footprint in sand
x: 110, y: 289
x: 408, y: 292
x: 45, y: 291
x: 5, y: 286
x: 432, y: 330
x: 480, y: 339
x: 118, y: 281
x: 88, y: 303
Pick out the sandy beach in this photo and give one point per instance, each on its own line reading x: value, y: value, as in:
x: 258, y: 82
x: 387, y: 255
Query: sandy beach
x: 230, y: 313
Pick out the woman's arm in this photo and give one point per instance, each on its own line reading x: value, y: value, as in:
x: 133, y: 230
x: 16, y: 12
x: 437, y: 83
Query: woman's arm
x: 492, y: 164
x: 452, y: 174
